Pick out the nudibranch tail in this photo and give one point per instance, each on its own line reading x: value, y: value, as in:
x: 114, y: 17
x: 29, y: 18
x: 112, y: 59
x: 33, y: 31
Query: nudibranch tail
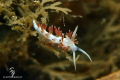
x: 35, y: 25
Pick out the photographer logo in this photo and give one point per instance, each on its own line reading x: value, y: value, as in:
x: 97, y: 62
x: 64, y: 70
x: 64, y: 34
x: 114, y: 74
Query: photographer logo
x: 12, y: 72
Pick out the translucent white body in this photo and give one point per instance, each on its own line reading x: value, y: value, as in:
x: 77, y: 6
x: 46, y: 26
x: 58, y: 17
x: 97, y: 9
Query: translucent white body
x: 67, y: 42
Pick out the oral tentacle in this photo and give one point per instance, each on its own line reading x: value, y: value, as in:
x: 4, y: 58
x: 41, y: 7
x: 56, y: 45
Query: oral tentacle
x: 81, y: 50
x: 74, y: 60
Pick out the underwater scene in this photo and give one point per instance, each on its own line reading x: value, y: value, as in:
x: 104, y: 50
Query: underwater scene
x: 59, y: 39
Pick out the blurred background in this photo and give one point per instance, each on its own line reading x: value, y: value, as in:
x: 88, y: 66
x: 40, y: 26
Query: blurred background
x: 34, y: 59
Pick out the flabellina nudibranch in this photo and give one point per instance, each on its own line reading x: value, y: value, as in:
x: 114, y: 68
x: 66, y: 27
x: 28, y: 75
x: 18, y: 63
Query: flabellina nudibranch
x: 65, y: 43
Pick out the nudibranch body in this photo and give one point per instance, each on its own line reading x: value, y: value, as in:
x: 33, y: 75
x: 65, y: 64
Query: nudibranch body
x: 67, y: 42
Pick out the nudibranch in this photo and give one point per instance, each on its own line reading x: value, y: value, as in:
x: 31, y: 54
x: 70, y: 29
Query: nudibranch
x: 66, y: 42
